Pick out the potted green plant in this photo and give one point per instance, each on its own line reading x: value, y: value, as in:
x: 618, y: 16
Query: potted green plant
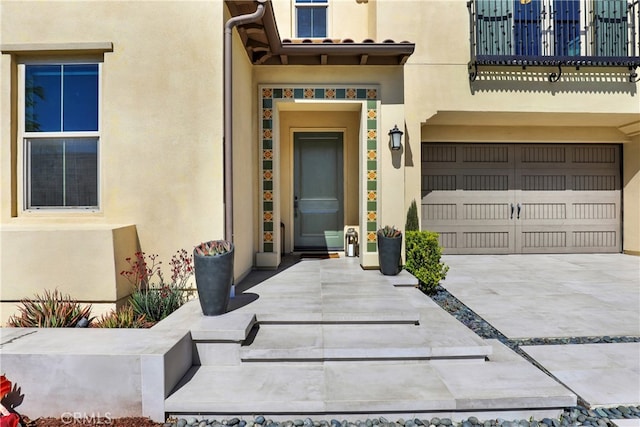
x: 389, y: 250
x: 213, y: 262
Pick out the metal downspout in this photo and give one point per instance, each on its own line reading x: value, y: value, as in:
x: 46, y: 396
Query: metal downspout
x: 228, y: 122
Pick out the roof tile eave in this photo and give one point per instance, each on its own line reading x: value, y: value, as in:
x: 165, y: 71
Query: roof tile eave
x: 326, y: 47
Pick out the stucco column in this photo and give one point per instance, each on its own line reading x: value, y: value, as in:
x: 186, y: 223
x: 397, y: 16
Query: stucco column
x: 631, y: 195
x: 391, y: 192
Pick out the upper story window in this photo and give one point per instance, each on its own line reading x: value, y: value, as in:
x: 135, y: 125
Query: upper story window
x: 311, y: 18
x: 61, y: 135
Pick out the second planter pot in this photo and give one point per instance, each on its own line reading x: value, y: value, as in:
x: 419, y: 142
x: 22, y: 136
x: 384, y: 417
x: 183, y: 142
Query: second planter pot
x: 390, y: 254
x: 214, y: 278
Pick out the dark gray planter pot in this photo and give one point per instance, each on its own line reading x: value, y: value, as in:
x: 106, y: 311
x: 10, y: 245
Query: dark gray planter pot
x: 214, y: 277
x: 390, y: 255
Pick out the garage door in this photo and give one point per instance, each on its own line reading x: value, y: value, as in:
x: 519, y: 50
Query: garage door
x: 522, y: 198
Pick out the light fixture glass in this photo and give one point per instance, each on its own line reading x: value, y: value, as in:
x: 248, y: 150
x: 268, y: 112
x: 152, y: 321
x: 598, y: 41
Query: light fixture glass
x: 395, y: 138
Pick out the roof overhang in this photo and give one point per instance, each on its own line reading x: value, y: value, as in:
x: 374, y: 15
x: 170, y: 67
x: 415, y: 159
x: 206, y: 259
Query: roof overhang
x: 262, y: 42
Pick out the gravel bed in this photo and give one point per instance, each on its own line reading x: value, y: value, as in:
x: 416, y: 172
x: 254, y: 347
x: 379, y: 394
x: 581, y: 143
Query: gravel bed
x: 483, y: 329
x: 578, y: 416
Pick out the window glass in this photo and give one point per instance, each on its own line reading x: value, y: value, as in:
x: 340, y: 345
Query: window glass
x: 80, y: 112
x: 304, y: 22
x: 493, y: 29
x: 526, y: 26
x: 611, y: 28
x: 46, y: 172
x: 43, y: 95
x: 567, y: 27
x: 319, y: 20
x: 311, y: 18
x: 61, y: 168
x: 61, y: 98
x: 63, y: 172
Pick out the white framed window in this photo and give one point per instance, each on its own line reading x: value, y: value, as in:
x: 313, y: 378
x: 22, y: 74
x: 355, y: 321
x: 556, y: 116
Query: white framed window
x: 61, y: 132
x: 311, y: 18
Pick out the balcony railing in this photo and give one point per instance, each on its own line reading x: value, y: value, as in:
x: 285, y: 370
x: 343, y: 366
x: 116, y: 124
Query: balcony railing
x: 577, y: 33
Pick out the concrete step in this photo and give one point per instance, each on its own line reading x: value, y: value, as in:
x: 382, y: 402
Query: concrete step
x: 505, y: 382
x: 279, y: 343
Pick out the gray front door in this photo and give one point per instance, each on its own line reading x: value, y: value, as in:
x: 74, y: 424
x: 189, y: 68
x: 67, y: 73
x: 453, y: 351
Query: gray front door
x: 318, y: 191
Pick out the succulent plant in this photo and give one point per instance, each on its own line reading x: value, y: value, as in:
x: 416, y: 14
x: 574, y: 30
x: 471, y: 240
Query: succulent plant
x: 124, y: 317
x: 389, y: 231
x: 213, y: 247
x: 51, y: 310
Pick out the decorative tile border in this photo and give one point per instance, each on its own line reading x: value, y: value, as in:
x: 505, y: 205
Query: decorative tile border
x: 267, y: 96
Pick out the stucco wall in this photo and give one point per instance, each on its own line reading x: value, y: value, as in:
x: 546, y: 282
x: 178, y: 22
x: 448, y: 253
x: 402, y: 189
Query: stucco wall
x: 161, y: 129
x: 506, y: 104
x: 588, y: 105
x: 631, y: 195
x: 80, y: 261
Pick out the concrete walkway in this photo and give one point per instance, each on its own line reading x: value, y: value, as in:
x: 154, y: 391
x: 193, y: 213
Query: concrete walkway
x: 326, y: 338
x: 562, y: 296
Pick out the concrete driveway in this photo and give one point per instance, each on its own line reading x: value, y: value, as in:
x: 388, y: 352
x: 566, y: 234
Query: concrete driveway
x: 575, y: 297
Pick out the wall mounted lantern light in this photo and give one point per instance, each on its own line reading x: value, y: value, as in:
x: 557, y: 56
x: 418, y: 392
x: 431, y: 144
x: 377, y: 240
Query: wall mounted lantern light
x: 395, y: 138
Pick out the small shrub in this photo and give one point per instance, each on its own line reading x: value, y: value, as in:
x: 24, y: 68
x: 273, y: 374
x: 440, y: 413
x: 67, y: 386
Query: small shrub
x: 152, y: 297
x: 423, y: 253
x: 51, y: 310
x: 412, y: 218
x: 122, y: 318
x: 157, y: 302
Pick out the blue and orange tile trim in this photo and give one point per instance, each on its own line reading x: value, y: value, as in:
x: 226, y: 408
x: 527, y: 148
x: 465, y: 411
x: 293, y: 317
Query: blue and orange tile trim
x: 369, y: 97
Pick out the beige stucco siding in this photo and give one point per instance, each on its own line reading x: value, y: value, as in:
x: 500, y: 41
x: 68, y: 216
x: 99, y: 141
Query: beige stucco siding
x: 161, y: 136
x: 161, y: 131
x: 508, y: 104
x: 631, y: 195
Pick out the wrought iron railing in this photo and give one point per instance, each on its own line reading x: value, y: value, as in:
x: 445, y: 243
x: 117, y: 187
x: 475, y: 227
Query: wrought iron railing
x: 579, y: 33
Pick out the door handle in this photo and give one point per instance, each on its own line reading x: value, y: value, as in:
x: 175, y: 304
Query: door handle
x: 512, y: 210
x: 295, y: 206
x: 519, y: 207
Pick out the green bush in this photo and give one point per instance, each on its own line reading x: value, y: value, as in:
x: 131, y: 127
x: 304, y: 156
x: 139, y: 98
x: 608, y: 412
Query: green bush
x: 423, y: 253
x: 156, y: 303
x: 51, y: 310
x: 412, y: 218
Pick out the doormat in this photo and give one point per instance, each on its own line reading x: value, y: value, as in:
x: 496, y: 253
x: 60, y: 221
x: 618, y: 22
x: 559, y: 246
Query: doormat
x: 319, y: 255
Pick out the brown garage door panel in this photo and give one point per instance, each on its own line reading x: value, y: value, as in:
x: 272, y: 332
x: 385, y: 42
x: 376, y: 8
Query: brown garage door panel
x: 516, y: 198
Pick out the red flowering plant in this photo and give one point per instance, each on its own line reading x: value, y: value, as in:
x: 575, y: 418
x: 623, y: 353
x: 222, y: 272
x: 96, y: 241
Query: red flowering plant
x: 7, y: 418
x: 153, y: 296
